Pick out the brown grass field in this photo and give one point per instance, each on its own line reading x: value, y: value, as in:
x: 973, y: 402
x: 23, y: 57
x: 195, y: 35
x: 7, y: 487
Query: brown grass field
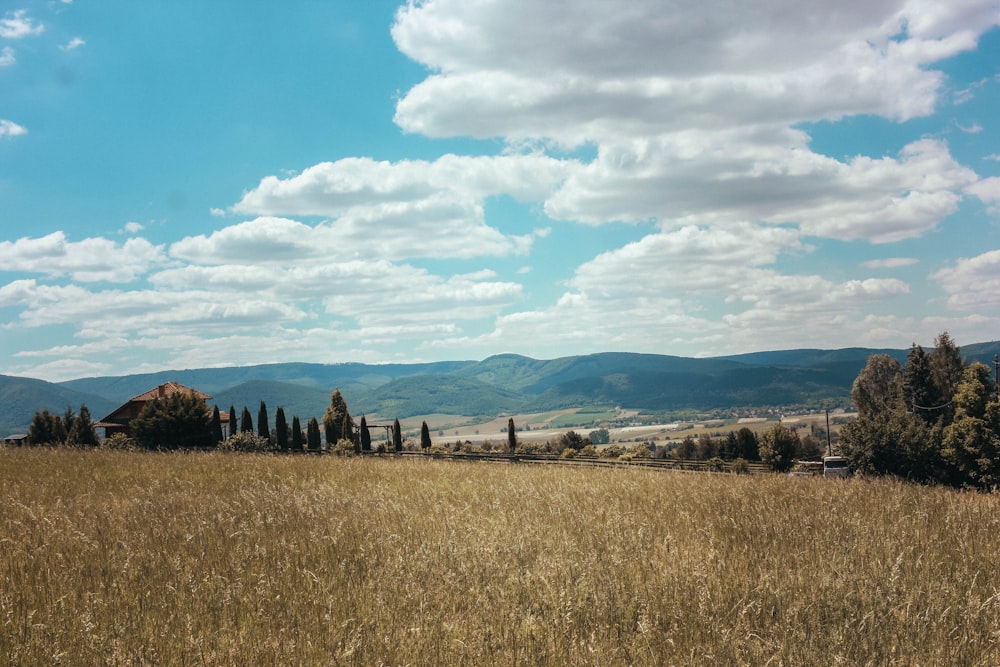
x: 212, y: 559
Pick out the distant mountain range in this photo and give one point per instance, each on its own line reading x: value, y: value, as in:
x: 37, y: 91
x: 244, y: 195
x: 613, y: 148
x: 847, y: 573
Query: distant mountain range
x: 505, y: 383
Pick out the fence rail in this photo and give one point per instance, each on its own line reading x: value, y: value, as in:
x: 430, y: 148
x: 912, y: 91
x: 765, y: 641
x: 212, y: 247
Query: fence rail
x: 685, y: 465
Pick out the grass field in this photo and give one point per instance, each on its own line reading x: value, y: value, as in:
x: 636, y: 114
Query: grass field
x: 206, y: 559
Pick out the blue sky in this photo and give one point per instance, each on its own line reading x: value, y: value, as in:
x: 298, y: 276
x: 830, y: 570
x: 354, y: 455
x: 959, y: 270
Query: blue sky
x: 193, y: 184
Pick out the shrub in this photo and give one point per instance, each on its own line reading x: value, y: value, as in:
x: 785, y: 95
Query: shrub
x: 568, y: 453
x: 437, y: 448
x: 589, y: 452
x: 612, y: 452
x: 120, y: 441
x: 343, y: 447
x: 245, y: 441
x: 740, y: 466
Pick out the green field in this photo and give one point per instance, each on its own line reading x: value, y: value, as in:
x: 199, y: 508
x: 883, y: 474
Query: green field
x: 207, y: 559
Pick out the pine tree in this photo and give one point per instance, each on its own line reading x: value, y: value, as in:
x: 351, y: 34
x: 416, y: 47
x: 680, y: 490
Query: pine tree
x: 82, y: 432
x: 281, y: 429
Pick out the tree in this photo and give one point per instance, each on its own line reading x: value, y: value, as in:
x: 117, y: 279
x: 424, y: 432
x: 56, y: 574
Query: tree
x: 778, y: 446
x: 313, y: 435
x: 688, y: 448
x: 971, y: 443
x: 947, y: 369
x: 511, y: 436
x: 180, y: 420
x: 81, y: 432
x: 232, y: 420
x: 425, y: 437
x: 216, y: 424
x: 895, y: 442
x: 263, y: 429
x: 747, y: 445
x: 600, y: 437
x: 707, y: 448
x: 397, y: 436
x: 337, y: 420
x: 246, y: 422
x: 366, y: 436
x: 46, y: 429
x: 878, y: 387
x: 296, y: 434
x: 920, y: 393
x: 281, y: 429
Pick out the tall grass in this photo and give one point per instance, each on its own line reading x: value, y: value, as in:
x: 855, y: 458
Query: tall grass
x: 137, y: 558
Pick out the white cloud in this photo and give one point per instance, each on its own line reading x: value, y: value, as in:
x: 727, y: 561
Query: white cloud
x: 16, y: 24
x: 987, y: 190
x: 575, y: 71
x: 132, y: 228
x: 73, y: 44
x: 891, y: 262
x: 973, y: 284
x: 7, y: 57
x: 90, y: 260
x: 9, y: 128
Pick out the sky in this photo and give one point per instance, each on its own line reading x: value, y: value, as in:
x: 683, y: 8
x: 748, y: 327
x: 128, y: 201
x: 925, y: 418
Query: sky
x: 191, y: 184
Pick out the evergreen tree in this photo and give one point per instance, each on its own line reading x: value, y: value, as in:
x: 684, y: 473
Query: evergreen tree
x: 263, y: 429
x: 180, y: 420
x: 297, y: 441
x: 82, y: 431
x: 45, y: 429
x: 246, y: 422
x: 232, y: 420
x: 281, y: 429
x: 947, y: 368
x: 425, y: 437
x: 511, y: 436
x: 920, y: 393
x: 878, y: 387
x: 366, y: 436
x: 748, y: 446
x: 313, y: 435
x: 216, y: 424
x: 397, y: 436
x: 337, y: 421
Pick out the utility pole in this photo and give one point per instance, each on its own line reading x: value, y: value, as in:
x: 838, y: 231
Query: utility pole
x: 996, y: 374
x: 829, y: 447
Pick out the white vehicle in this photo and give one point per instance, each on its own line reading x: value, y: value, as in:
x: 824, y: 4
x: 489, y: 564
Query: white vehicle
x: 835, y: 466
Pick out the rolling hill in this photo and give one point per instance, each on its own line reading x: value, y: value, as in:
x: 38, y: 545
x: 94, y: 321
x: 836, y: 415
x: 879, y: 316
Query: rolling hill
x: 497, y: 385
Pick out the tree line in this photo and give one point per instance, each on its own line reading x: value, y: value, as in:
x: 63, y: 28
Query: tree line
x: 934, y: 419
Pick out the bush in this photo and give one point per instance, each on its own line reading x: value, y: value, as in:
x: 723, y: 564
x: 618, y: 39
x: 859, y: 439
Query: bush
x: 740, y: 467
x: 612, y: 452
x: 441, y: 449
x: 245, y: 441
x: 589, y: 452
x: 568, y: 453
x: 120, y: 441
x: 343, y: 447
x: 640, y: 452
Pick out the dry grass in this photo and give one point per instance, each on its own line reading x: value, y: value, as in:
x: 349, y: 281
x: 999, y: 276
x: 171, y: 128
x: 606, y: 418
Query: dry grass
x: 131, y: 558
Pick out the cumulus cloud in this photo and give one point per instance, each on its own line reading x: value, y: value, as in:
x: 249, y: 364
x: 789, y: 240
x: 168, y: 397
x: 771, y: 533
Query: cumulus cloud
x: 574, y: 71
x: 73, y: 44
x: 16, y: 24
x: 7, y: 57
x: 973, y: 283
x: 90, y: 260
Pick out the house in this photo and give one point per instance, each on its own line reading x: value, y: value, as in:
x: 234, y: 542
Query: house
x: 117, y: 421
x: 16, y: 439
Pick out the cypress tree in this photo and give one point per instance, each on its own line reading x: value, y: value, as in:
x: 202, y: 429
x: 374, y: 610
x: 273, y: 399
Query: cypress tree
x: 216, y: 424
x: 246, y: 422
x: 296, y: 434
x: 425, y: 437
x: 511, y: 436
x: 313, y: 436
x: 263, y: 430
x: 397, y: 436
x: 232, y: 420
x: 281, y: 429
x: 366, y: 436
